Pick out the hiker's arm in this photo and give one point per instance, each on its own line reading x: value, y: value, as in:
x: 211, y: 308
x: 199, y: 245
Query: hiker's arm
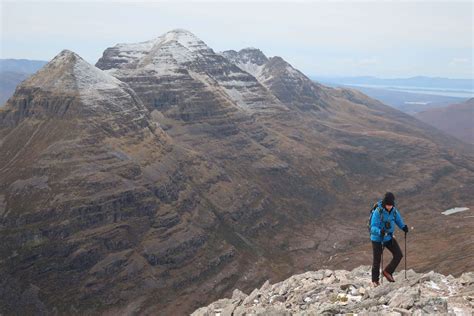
x: 374, y: 229
x: 399, y: 220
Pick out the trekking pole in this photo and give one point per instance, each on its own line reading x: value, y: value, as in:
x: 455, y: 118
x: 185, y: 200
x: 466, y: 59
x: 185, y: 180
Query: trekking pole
x: 405, y: 255
x: 381, y: 267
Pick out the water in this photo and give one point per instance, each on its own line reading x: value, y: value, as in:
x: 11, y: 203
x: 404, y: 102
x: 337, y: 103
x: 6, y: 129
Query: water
x: 460, y: 93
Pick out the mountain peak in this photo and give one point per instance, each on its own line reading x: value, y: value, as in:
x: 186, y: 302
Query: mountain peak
x: 68, y: 72
x: 185, y: 38
x: 172, y: 47
x: 246, y: 56
x: 251, y: 60
x: 68, y: 85
x: 176, y: 33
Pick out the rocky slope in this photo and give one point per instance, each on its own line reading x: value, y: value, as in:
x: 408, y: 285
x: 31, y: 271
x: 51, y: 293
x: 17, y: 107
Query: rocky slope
x: 288, y: 84
x: 207, y: 81
x: 328, y: 292
x: 299, y: 160
x: 90, y: 187
x: 171, y: 176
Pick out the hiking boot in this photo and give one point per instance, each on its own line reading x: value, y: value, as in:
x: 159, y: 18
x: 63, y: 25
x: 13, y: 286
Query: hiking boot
x: 388, y: 276
x: 375, y: 283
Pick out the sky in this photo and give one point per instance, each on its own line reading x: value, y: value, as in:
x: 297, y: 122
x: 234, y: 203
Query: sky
x: 386, y: 39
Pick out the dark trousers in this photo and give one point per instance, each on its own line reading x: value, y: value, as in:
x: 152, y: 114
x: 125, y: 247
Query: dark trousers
x: 394, y: 248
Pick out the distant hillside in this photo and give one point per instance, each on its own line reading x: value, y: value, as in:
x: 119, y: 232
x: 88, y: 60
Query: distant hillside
x: 455, y: 119
x: 418, y: 81
x: 21, y: 65
x: 408, y: 102
x: 14, y: 71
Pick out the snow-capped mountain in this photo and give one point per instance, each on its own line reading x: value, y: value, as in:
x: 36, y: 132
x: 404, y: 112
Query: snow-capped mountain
x: 180, y: 56
x: 169, y: 175
x: 84, y: 170
x: 88, y: 90
x: 288, y: 84
x: 251, y: 60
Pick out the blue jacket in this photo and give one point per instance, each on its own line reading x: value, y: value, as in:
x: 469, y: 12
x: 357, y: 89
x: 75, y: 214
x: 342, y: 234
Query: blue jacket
x: 376, y: 224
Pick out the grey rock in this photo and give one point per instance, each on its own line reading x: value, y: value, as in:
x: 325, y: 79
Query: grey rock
x: 277, y: 298
x: 252, y: 297
x: 265, y: 286
x: 238, y: 294
x: 405, y: 298
x: 467, y: 278
x: 326, y: 292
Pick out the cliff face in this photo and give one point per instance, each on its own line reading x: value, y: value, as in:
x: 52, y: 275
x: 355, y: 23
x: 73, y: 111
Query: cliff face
x: 94, y: 194
x: 349, y: 292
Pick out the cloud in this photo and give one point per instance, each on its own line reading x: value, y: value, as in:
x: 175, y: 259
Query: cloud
x: 359, y: 62
x: 459, y: 61
x: 368, y: 61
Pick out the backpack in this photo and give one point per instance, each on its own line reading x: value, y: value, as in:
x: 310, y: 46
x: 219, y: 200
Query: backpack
x: 374, y: 208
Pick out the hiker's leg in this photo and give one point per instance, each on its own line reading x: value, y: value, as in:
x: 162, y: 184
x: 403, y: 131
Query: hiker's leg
x: 397, y: 255
x: 377, y: 254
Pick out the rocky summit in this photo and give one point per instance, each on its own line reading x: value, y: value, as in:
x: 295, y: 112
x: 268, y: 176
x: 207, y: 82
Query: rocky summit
x: 341, y: 292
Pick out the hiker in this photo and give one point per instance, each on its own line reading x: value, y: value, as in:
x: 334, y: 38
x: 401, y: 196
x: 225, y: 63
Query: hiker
x: 381, y: 231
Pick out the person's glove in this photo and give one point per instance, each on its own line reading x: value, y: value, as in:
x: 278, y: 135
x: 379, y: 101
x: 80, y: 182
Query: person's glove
x: 405, y: 229
x: 382, y: 232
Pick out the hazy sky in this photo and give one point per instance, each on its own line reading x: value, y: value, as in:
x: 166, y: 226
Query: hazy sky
x: 344, y: 38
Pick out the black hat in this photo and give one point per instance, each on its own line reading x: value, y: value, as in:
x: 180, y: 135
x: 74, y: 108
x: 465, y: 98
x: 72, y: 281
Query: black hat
x: 388, y: 199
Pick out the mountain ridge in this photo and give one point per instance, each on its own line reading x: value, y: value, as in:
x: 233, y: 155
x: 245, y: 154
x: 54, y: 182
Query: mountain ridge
x: 347, y: 292
x: 204, y: 180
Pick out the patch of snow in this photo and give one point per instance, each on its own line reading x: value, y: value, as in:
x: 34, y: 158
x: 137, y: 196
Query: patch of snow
x: 69, y: 73
x: 185, y: 38
x: 253, y: 69
x: 237, y: 83
x: 94, y: 85
x: 88, y: 76
x: 292, y: 71
x: 455, y: 210
x: 177, y: 46
x: 136, y: 49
